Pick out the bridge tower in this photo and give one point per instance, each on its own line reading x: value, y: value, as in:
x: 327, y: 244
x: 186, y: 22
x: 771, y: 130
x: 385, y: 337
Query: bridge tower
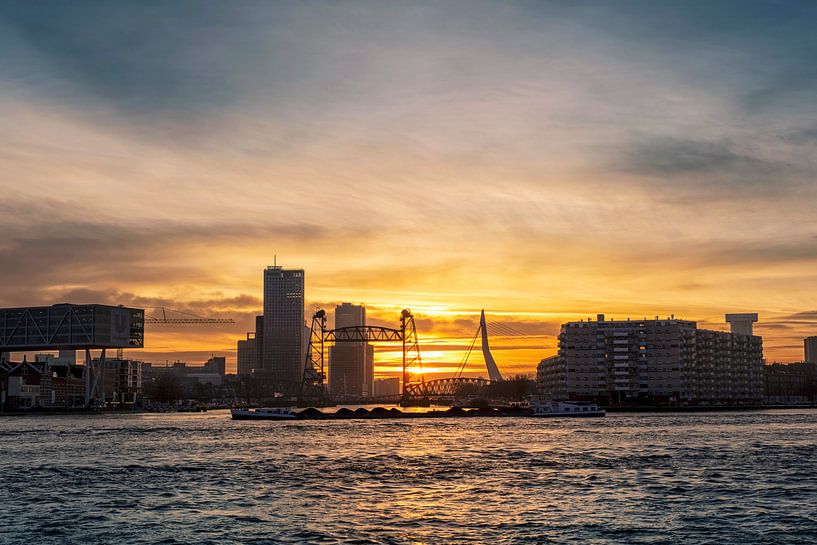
x: 493, y: 370
x: 313, y: 387
x: 411, y: 352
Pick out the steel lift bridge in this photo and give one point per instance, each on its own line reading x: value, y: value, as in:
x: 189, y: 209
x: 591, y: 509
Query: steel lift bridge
x: 414, y: 386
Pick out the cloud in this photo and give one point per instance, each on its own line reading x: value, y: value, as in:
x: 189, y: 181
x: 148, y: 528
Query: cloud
x: 671, y: 156
x: 805, y: 316
x: 548, y: 159
x: 48, y: 253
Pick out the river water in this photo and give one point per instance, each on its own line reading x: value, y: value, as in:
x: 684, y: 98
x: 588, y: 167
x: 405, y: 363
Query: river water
x: 203, y: 478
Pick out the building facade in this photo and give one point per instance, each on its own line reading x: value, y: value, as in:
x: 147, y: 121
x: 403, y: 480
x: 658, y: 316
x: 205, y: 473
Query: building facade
x: 788, y: 383
x: 121, y: 382
x: 387, y: 387
x: 246, y: 355
x: 217, y: 365
x: 259, y: 342
x: 47, y: 382
x: 728, y: 368
x: 351, y: 364
x: 283, y: 339
x: 652, y: 361
x: 810, y: 348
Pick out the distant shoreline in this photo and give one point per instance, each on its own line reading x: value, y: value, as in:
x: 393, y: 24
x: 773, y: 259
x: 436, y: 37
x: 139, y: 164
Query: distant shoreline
x: 609, y: 409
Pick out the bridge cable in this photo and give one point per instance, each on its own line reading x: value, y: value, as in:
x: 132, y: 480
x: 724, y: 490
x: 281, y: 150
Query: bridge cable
x: 464, y: 361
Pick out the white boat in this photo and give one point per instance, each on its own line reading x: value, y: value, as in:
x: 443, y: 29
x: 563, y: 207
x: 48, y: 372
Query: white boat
x: 266, y: 413
x: 565, y: 408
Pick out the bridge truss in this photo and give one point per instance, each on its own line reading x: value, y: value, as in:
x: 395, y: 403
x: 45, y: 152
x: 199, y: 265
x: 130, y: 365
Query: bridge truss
x: 447, y: 388
x: 313, y: 388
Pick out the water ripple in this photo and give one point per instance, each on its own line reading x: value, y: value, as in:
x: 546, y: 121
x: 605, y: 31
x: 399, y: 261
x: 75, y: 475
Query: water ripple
x: 202, y: 478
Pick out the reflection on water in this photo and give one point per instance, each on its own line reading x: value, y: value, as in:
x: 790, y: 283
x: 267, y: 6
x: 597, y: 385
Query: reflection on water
x: 203, y: 478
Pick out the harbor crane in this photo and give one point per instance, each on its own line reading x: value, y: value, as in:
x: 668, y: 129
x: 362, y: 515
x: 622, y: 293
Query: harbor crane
x: 180, y: 317
x: 169, y: 316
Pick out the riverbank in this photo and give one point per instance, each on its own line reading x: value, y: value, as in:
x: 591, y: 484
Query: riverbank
x: 312, y: 413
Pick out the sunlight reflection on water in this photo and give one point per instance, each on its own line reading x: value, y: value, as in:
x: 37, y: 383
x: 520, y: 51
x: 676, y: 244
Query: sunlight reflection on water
x: 203, y: 478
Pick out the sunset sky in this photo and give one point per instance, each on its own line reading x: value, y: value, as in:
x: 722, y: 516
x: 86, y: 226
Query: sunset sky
x: 546, y: 161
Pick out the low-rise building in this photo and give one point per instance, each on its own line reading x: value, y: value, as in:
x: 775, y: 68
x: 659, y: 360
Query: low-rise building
x: 217, y: 365
x: 47, y: 382
x: 121, y: 381
x: 790, y: 383
x: 387, y: 387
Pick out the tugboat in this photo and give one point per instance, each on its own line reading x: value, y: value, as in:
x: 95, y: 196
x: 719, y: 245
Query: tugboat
x: 565, y: 408
x: 267, y: 413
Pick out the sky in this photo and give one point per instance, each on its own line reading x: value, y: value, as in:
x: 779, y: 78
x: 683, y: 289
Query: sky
x: 546, y: 161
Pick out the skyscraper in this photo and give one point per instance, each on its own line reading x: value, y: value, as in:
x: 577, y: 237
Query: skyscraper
x: 283, y: 339
x: 811, y: 349
x: 351, y: 365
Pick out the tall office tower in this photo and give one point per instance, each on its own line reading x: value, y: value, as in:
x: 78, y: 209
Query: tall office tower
x: 351, y: 365
x: 259, y: 342
x: 283, y: 323
x: 811, y: 349
x: 246, y: 355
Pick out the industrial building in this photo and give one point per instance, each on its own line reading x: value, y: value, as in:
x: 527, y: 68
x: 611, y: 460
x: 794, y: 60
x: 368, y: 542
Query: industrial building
x: 351, y: 364
x: 283, y: 346
x: 70, y: 327
x: 653, y: 361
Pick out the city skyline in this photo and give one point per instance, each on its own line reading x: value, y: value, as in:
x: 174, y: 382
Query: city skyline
x: 544, y: 162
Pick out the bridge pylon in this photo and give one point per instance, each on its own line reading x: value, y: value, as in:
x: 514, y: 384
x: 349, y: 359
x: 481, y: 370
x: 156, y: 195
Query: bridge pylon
x: 313, y: 387
x: 411, y: 359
